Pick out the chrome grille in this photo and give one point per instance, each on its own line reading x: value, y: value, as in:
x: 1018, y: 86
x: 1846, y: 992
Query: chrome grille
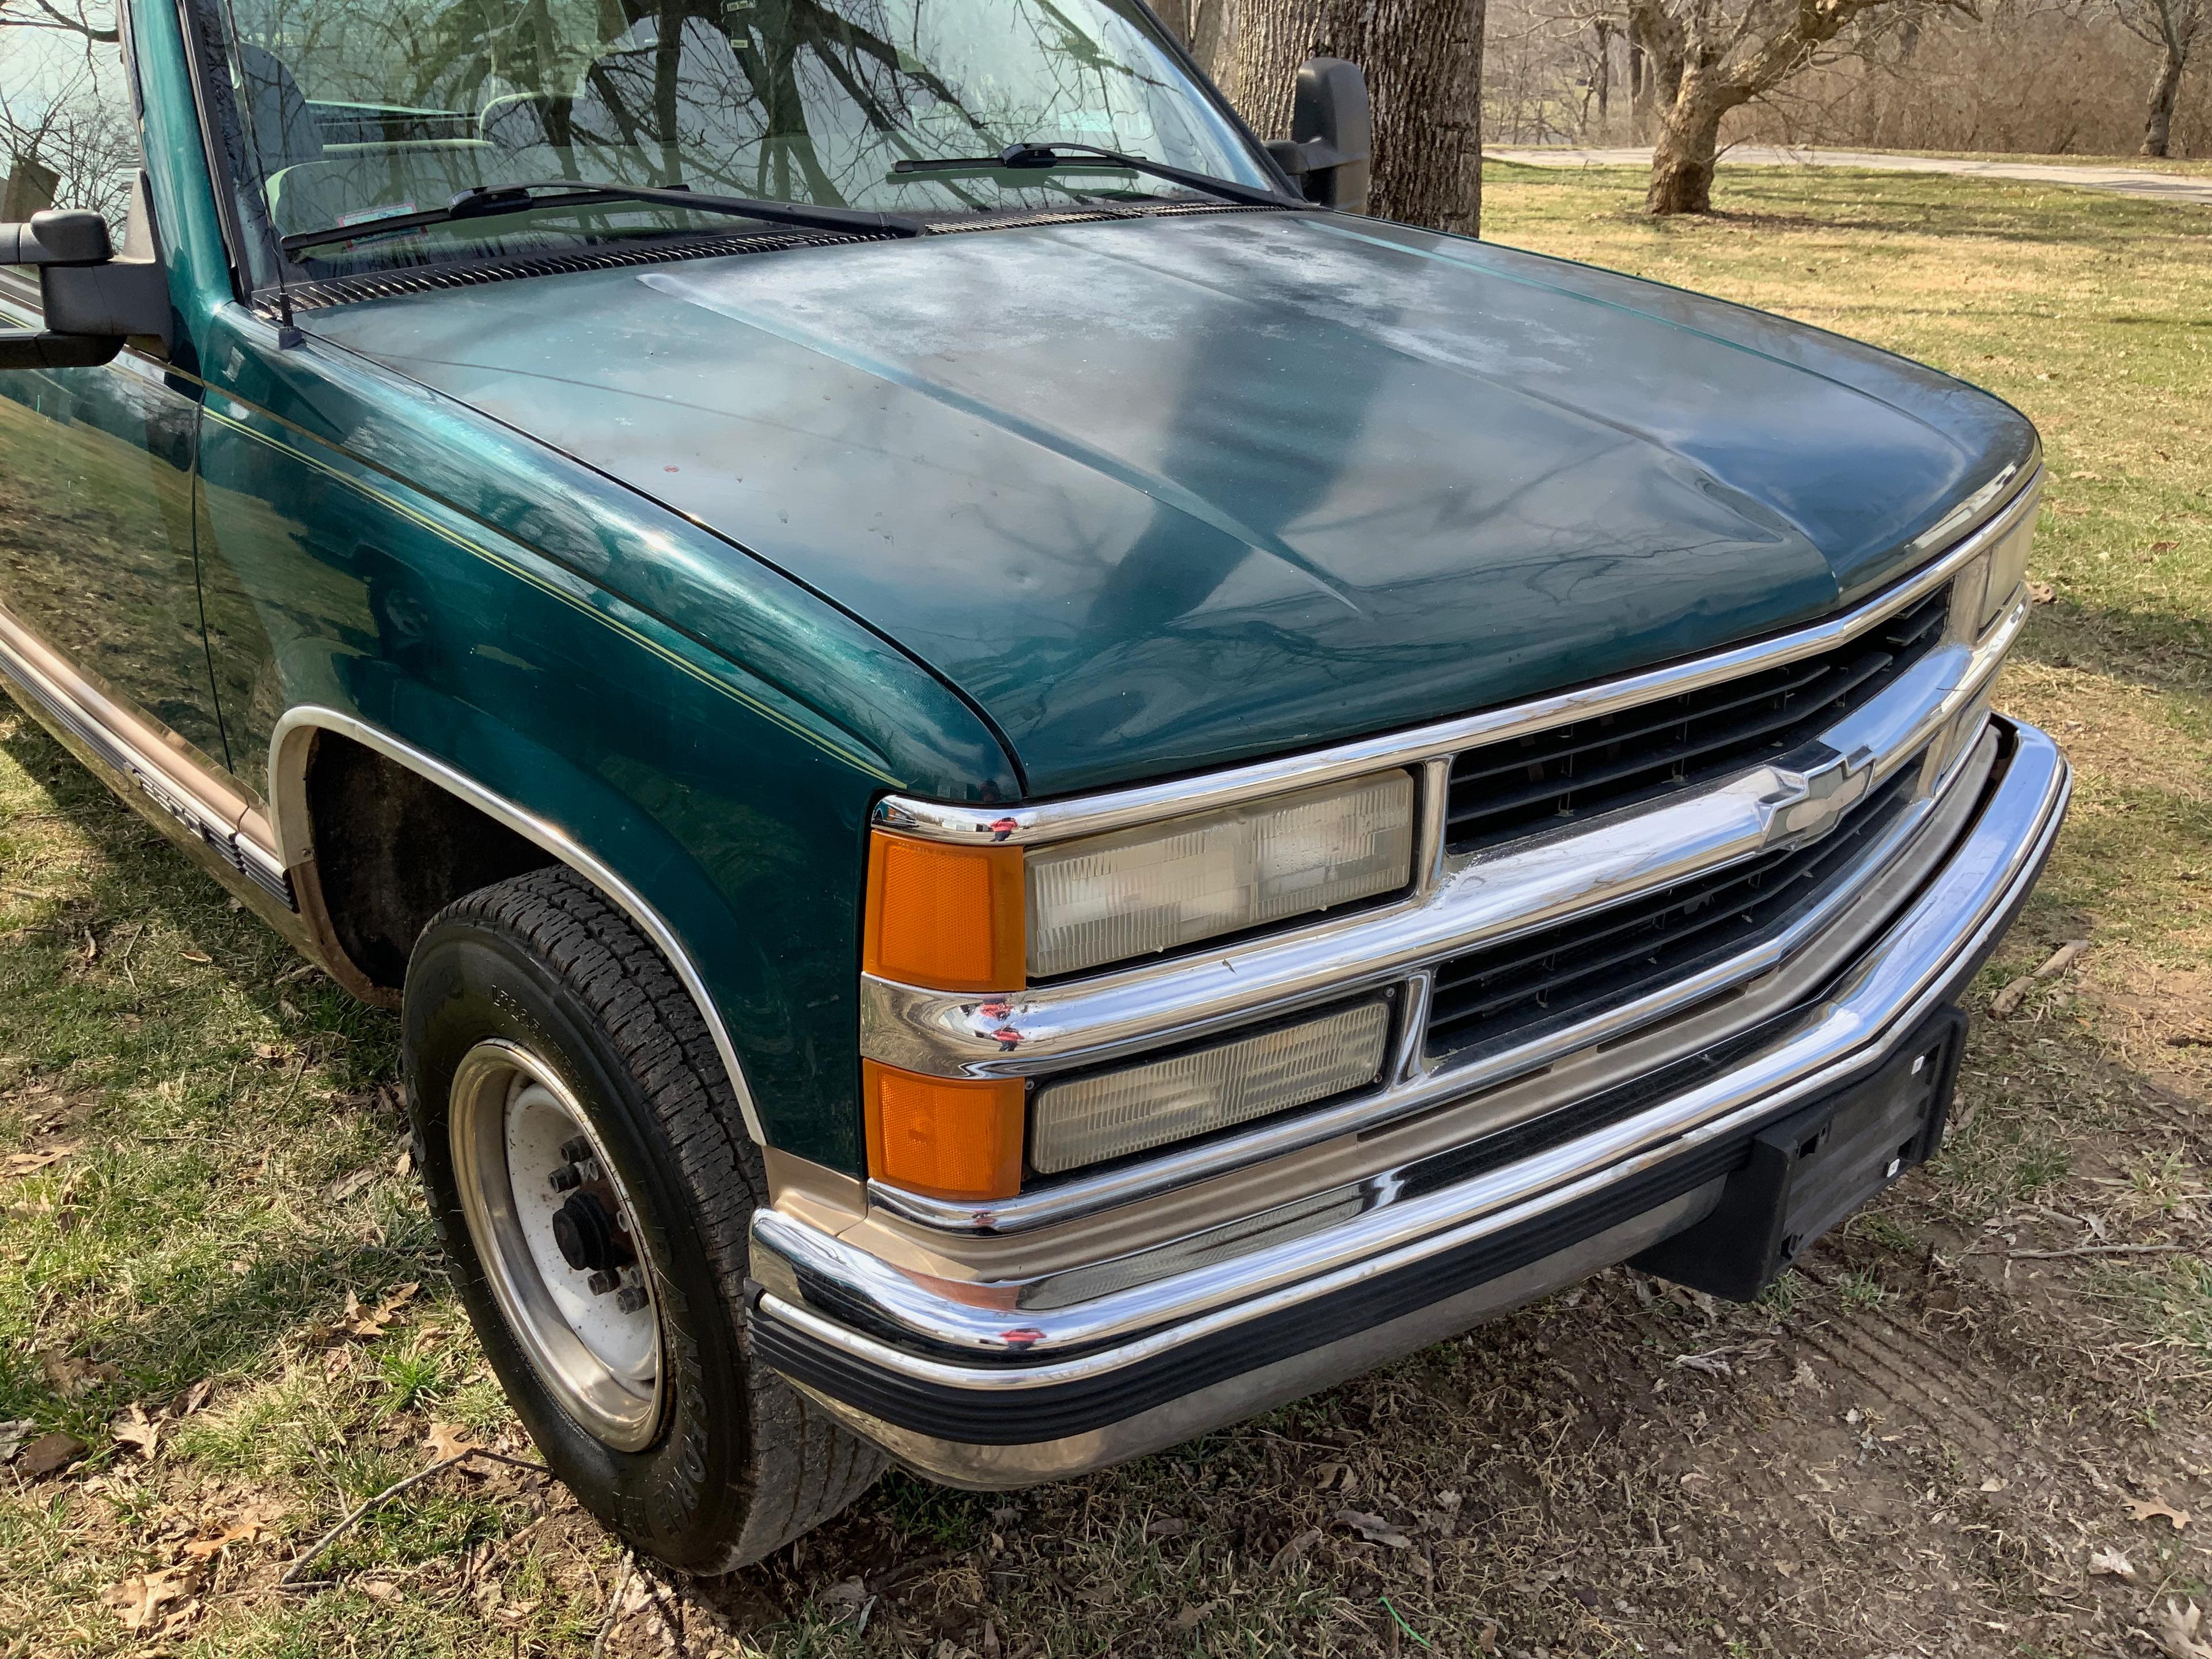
x: 1525, y: 986
x: 1502, y: 790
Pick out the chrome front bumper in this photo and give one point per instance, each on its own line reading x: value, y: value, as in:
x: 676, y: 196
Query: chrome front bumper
x: 1002, y: 1385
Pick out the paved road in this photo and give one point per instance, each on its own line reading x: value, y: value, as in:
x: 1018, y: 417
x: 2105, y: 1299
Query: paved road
x: 2123, y: 181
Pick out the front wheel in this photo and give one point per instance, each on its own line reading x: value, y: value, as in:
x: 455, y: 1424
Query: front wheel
x: 593, y: 1181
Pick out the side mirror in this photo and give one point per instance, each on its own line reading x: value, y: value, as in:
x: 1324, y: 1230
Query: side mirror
x: 93, y: 301
x: 1330, y: 151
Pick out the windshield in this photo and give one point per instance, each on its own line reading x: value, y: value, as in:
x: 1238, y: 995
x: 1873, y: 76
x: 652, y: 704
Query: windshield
x: 343, y: 112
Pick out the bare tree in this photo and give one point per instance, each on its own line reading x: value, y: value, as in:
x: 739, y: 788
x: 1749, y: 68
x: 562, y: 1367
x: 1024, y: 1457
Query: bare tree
x: 1424, y: 63
x: 64, y: 129
x: 1709, y: 57
x: 2173, y: 26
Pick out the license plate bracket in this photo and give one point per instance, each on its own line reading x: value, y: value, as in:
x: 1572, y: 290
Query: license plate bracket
x: 1818, y: 1166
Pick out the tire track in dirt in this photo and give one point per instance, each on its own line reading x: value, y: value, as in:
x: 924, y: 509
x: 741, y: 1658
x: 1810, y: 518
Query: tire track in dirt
x: 1904, y: 1370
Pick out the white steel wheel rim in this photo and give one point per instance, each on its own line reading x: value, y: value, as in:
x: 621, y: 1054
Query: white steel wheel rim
x: 510, y: 1116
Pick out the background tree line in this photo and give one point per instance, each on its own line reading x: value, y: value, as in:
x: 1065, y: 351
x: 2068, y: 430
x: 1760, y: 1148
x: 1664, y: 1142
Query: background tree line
x: 1690, y: 76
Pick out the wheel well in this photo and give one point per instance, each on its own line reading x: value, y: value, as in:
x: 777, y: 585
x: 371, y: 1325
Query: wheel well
x: 392, y: 849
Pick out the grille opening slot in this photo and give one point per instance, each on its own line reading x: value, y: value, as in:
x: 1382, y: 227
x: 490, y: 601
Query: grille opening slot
x: 1549, y: 779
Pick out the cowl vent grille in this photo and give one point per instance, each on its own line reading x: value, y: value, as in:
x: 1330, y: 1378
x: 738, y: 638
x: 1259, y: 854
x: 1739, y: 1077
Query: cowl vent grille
x: 391, y: 284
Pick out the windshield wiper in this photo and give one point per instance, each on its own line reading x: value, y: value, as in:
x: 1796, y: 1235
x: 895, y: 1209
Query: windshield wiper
x: 484, y: 201
x: 1020, y: 157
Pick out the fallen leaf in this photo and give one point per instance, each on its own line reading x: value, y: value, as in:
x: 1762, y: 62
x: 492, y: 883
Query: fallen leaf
x: 373, y: 1323
x: 195, y: 1397
x: 13, y: 1434
x: 49, y: 1454
x: 2041, y: 593
x: 69, y: 1375
x: 2164, y: 547
x: 241, y: 1532
x: 346, y: 1186
x: 1710, y: 1364
x: 22, y: 1163
x: 1296, y: 1549
x: 2156, y: 1509
x: 378, y: 1589
x: 847, y: 1600
x: 137, y: 1430
x: 1167, y: 1527
x: 2178, y: 1628
x: 2112, y: 1563
x: 1803, y: 1377
x: 1373, y: 1527
x: 140, y: 1601
x: 1995, y: 1483
x: 1191, y: 1618
x: 448, y: 1440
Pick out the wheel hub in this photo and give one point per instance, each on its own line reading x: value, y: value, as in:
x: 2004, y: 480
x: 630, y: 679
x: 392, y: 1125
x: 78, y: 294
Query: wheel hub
x: 555, y: 1232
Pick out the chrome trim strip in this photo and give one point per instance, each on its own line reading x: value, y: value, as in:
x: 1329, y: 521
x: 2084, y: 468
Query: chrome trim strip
x: 289, y: 818
x: 1057, y: 820
x: 1477, y: 899
x: 165, y: 782
x: 1424, y: 1084
x: 1885, y: 996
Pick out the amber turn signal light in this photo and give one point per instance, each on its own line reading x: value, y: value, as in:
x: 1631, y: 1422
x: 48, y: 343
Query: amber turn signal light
x: 947, y: 917
x: 944, y: 1136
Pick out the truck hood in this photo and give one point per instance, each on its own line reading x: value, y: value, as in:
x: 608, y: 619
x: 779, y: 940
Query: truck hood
x: 1162, y: 493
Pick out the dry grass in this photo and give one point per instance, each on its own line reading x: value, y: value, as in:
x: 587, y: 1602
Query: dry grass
x: 1918, y: 1445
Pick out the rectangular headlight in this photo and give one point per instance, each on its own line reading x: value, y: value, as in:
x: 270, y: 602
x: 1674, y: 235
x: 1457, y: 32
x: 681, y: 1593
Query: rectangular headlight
x: 2008, y: 567
x: 1112, y: 1114
x: 1137, y: 892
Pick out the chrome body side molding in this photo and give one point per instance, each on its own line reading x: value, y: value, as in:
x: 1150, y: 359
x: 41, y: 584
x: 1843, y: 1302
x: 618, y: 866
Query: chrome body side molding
x: 173, y: 787
x: 290, y: 824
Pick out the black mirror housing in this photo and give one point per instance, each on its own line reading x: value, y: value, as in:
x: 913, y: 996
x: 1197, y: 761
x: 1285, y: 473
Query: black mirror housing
x: 1330, y: 151
x: 93, y: 301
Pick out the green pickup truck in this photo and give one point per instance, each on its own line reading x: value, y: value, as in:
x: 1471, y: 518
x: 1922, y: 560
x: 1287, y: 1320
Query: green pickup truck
x: 1023, y: 786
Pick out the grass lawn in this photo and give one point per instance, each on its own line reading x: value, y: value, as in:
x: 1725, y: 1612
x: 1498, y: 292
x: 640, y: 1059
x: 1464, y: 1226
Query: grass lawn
x: 1940, y: 1436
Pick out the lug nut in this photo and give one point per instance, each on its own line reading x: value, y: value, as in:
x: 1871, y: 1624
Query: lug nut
x: 603, y: 1281
x: 630, y: 1298
x: 565, y: 1179
x: 576, y: 1149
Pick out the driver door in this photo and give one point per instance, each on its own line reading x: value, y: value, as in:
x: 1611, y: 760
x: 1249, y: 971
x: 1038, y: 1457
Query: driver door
x: 96, y: 553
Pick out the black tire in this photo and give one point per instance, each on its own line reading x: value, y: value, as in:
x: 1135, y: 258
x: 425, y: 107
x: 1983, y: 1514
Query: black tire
x: 742, y: 1462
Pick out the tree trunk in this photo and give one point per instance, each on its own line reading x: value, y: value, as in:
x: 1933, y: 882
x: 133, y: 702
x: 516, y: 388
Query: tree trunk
x: 1688, y: 144
x: 1424, y: 63
x: 2164, y: 93
x: 1602, y: 73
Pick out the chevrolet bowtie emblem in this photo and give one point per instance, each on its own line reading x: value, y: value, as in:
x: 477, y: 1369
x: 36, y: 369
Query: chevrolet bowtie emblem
x: 1819, y: 788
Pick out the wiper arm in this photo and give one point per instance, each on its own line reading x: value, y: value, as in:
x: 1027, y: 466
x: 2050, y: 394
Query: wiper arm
x: 484, y: 201
x: 1020, y: 157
